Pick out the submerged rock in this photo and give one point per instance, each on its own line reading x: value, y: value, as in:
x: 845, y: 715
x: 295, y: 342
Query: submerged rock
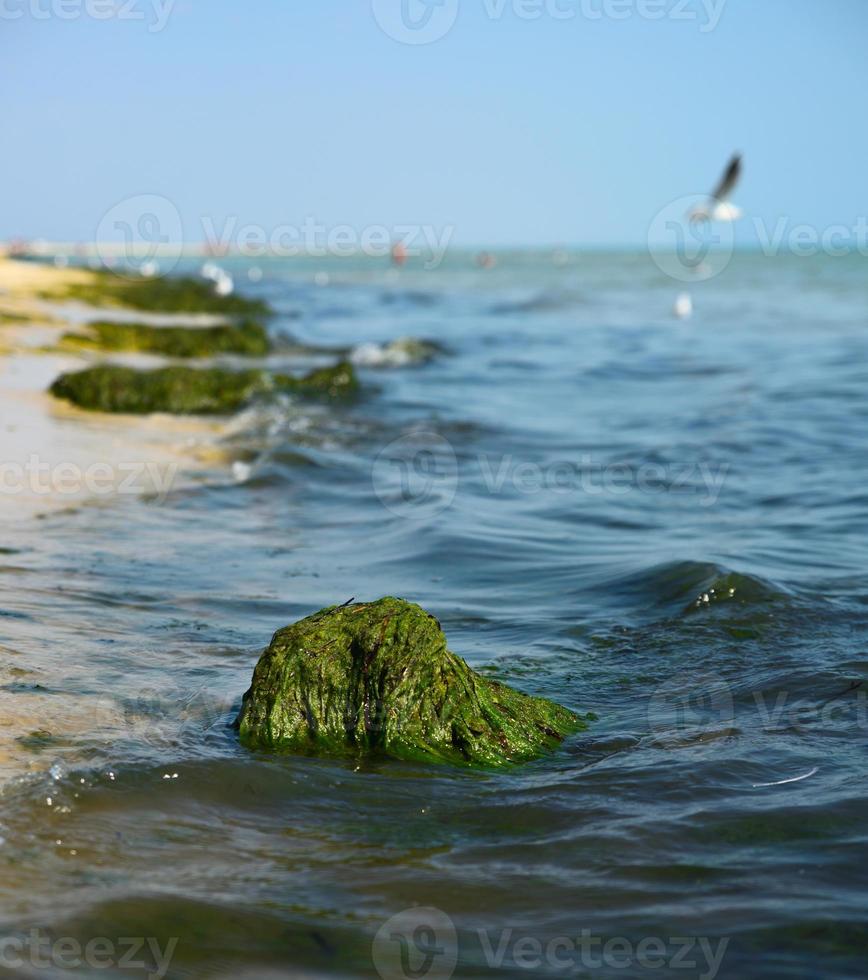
x: 248, y: 338
x: 336, y: 381
x: 191, y: 391
x: 378, y: 677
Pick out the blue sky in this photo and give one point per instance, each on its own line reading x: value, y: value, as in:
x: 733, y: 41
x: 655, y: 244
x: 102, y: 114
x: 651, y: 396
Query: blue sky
x: 520, y: 125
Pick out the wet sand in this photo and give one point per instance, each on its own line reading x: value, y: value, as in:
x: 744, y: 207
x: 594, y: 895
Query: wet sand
x: 56, y: 457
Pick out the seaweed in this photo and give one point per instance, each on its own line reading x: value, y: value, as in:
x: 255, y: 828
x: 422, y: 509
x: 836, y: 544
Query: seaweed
x: 378, y: 677
x: 248, y: 338
x: 170, y: 294
x: 184, y: 390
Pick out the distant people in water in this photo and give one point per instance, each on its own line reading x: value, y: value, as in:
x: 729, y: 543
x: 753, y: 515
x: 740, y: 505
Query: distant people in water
x: 399, y: 253
x: 485, y: 260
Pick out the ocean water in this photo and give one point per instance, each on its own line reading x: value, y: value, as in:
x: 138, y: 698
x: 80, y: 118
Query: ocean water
x: 662, y: 522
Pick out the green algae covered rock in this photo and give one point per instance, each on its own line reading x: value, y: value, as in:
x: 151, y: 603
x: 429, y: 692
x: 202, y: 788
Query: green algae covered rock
x: 177, y: 390
x: 191, y: 391
x: 171, y: 294
x: 248, y: 338
x: 336, y: 381
x: 377, y: 677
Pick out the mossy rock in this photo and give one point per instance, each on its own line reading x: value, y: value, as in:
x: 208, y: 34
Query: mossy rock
x: 181, y: 390
x: 377, y: 677
x: 248, y: 338
x: 335, y: 381
x: 171, y: 294
x: 9, y: 317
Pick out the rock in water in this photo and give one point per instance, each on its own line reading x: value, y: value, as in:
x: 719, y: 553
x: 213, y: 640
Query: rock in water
x: 170, y: 294
x: 247, y: 338
x: 177, y: 390
x: 193, y: 391
x: 378, y: 677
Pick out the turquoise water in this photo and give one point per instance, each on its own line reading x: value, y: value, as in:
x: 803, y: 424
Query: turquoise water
x: 660, y: 521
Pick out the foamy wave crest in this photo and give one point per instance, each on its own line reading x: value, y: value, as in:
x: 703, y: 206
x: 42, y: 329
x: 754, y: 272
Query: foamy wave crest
x: 403, y: 352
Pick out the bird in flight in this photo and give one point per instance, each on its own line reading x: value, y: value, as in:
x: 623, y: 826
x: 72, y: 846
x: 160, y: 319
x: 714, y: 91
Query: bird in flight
x: 718, y: 206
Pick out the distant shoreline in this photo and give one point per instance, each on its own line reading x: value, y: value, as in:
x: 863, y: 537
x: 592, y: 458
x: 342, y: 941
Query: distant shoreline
x: 45, y: 251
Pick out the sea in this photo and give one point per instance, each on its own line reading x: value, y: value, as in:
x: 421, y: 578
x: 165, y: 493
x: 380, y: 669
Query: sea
x: 662, y: 521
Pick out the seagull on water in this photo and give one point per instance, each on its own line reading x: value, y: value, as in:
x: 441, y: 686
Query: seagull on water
x: 683, y: 308
x: 718, y: 206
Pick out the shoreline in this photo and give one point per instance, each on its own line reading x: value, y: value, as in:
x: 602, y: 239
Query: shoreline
x: 56, y: 456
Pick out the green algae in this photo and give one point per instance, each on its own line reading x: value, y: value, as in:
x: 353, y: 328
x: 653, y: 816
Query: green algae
x: 182, y: 390
x: 378, y: 677
x: 7, y: 317
x: 335, y: 381
x: 170, y: 294
x: 177, y: 390
x: 248, y: 338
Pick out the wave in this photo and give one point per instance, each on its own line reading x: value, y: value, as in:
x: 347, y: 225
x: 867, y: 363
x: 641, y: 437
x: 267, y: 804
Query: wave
x: 403, y: 352
x: 409, y: 297
x: 688, y: 587
x: 547, y: 301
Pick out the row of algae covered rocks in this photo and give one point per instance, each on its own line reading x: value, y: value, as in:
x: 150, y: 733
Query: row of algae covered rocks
x: 179, y: 389
x: 359, y: 678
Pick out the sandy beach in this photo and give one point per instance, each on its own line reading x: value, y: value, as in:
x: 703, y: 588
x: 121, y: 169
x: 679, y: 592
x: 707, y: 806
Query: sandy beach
x: 53, y: 454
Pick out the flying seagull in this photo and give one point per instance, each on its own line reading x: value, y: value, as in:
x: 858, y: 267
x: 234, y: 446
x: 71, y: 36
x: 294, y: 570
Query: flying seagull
x: 718, y: 207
